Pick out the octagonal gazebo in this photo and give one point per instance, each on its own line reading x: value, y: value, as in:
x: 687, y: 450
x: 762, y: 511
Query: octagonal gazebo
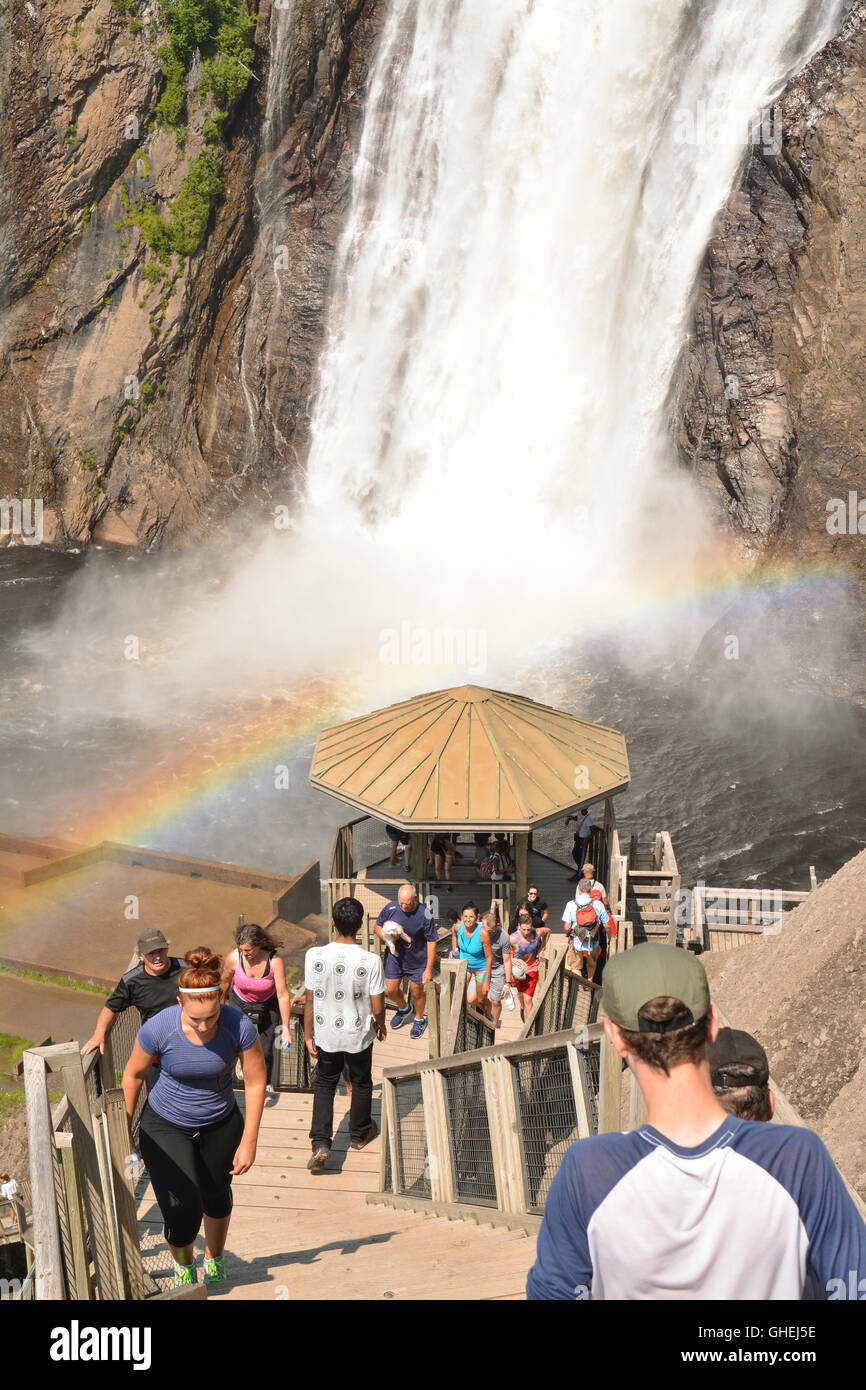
x: 465, y: 759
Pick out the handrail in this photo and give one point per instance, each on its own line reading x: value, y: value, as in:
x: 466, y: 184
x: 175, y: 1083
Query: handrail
x: 544, y: 1042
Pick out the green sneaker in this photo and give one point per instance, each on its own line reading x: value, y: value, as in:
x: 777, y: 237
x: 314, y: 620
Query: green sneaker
x: 215, y: 1270
x: 183, y: 1274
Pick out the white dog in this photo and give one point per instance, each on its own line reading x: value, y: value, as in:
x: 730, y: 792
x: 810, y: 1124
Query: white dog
x: 393, y: 932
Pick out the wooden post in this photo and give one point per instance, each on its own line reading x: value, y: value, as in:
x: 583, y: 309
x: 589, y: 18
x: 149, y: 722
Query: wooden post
x: 389, y: 1110
x: 813, y: 877
x: 584, y: 1128
x: 674, y: 904
x: 460, y: 974
x: 432, y: 1009
x: 418, y: 843
x: 124, y: 1194
x: 40, y: 1142
x: 609, y: 1088
x: 438, y: 1139
x: 502, y: 1108
x: 79, y: 1276
x: 521, y: 863
x: 65, y: 1058
x: 637, y: 1110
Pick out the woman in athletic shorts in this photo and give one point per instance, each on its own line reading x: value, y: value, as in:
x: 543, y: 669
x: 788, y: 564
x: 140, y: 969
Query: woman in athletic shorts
x: 193, y: 1137
x: 500, y: 974
x: 442, y: 854
x: 470, y: 941
x: 528, y: 945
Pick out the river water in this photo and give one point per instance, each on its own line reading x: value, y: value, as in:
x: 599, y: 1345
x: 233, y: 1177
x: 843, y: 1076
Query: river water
x: 754, y: 782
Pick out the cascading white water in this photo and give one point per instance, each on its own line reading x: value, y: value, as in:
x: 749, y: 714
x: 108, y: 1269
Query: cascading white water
x: 536, y: 185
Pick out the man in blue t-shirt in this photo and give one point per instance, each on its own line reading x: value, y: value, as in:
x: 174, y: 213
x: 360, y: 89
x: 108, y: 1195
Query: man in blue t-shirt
x: 413, y: 957
x: 697, y: 1203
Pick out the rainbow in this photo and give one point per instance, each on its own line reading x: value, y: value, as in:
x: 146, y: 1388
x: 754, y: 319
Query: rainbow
x: 260, y: 737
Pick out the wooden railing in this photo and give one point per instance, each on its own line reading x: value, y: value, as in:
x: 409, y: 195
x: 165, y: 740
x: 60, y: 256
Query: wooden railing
x: 657, y: 890
x: 486, y: 1130
x: 85, y: 1227
x: 727, y: 917
x: 562, y: 998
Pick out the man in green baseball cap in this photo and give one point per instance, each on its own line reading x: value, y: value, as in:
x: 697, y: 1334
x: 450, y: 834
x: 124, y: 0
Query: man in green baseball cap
x: 697, y: 1203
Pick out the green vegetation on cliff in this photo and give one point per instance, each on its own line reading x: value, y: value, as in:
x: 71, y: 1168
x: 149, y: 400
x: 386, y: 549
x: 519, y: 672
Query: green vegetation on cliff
x: 190, y: 210
x: 221, y: 31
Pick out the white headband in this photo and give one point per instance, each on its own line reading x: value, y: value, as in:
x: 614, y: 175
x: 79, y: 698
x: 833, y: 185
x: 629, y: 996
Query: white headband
x: 211, y: 989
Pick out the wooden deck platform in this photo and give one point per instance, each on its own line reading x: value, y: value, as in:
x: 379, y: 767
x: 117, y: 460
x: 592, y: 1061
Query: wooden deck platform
x: 302, y: 1235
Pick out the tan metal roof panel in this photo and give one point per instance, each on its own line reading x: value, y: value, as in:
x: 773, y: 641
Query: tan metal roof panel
x: 469, y: 757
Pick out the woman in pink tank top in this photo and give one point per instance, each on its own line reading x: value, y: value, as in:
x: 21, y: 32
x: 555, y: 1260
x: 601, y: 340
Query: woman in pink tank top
x: 254, y: 981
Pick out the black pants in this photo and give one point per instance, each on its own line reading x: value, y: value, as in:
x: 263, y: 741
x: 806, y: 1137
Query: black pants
x: 190, y: 1170
x: 325, y: 1079
x: 580, y: 852
x: 266, y: 1024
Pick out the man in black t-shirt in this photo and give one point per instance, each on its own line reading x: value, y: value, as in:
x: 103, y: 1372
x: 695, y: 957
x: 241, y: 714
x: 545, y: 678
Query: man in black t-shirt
x: 150, y: 987
x: 533, y: 902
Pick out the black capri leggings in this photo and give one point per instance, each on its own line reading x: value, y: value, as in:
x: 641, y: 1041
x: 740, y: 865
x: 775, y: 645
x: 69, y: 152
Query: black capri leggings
x: 190, y: 1170
x: 266, y: 1026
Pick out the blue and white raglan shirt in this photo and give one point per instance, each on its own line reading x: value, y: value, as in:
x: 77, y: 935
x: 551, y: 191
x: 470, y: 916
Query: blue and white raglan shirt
x: 755, y: 1211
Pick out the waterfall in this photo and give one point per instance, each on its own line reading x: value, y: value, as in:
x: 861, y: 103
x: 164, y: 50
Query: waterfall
x: 534, y: 189
x: 536, y: 185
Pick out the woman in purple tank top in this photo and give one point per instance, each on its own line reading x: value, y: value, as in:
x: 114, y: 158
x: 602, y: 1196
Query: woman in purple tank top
x: 254, y: 981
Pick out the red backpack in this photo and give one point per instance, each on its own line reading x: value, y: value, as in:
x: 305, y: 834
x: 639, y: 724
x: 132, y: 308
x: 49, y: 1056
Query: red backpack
x: 585, y: 917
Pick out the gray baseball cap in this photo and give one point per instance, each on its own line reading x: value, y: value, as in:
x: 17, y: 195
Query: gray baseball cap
x: 647, y: 972
x: 151, y: 940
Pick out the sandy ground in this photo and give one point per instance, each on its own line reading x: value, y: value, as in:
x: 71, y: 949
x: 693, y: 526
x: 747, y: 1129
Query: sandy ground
x: 802, y: 994
x: 37, y: 1012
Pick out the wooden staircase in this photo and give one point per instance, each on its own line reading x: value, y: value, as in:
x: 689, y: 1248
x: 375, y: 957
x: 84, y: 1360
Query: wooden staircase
x: 301, y: 1235
x: 651, y: 895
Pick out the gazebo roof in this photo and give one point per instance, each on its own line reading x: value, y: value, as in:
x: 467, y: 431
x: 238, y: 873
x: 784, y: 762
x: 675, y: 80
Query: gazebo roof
x: 469, y: 758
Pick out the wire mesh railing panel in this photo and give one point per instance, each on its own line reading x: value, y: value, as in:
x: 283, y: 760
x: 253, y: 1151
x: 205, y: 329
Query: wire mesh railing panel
x: 469, y: 1132
x: 460, y: 1039
x: 548, y: 1119
x: 292, y: 1069
x: 575, y: 1008
x: 388, y: 1182
x: 477, y: 1034
x: 589, y: 1065
x: 63, y: 1226
x: 91, y: 1083
x: 413, y: 1169
x: 122, y: 1037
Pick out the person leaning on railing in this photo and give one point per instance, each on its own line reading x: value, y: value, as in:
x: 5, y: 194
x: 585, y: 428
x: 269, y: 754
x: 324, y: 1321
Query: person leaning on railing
x: 193, y: 1137
x: 697, y: 1203
x: 149, y: 986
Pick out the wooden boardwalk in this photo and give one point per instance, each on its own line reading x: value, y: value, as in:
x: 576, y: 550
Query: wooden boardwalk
x: 302, y: 1235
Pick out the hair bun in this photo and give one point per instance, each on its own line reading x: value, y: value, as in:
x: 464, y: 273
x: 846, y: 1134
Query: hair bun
x: 203, y: 958
x: 202, y: 971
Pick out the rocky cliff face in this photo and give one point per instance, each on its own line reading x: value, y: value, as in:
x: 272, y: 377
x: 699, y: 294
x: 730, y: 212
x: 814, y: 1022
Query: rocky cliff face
x: 139, y: 397
x: 770, y: 401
